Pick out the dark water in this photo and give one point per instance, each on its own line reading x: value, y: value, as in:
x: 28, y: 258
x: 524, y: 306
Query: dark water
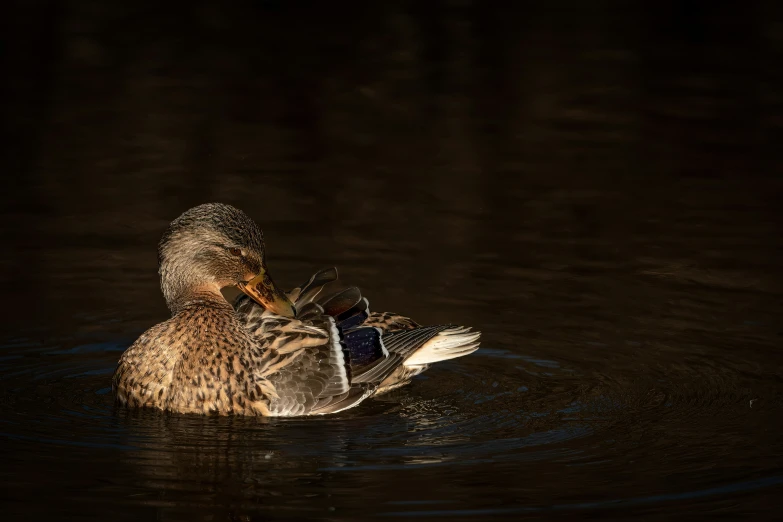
x: 594, y: 188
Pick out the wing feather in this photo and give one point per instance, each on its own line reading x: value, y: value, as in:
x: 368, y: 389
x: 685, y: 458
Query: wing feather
x: 336, y: 352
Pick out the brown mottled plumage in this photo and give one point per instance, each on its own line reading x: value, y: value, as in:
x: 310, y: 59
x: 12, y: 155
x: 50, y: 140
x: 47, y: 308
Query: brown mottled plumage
x: 390, y: 322
x: 212, y: 357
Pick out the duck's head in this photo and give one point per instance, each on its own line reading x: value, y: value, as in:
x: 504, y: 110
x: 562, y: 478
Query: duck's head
x: 213, y: 246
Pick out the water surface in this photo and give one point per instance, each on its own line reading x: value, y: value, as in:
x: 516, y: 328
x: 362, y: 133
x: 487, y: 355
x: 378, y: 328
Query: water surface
x: 596, y: 190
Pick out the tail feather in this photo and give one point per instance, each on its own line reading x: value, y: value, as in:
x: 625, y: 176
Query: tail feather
x: 449, y: 343
x: 406, y: 342
x: 417, y: 348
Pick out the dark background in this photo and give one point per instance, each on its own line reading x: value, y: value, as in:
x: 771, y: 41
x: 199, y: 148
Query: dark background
x: 122, y: 115
x: 594, y: 185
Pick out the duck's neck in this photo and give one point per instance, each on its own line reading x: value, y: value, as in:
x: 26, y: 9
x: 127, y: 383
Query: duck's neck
x: 185, y: 285
x: 205, y: 296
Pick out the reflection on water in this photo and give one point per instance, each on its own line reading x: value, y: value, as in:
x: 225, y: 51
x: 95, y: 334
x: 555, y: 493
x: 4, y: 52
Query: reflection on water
x: 593, y: 187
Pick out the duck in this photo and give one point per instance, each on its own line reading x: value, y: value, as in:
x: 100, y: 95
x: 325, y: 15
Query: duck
x: 308, y: 351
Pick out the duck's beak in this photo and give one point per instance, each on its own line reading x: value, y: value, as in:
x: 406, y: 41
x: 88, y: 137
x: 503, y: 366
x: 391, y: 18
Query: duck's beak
x: 264, y: 291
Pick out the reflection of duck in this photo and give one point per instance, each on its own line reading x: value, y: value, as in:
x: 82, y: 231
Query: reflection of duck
x: 277, y: 354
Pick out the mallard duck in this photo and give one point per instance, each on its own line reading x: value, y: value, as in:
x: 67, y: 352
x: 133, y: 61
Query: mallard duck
x: 271, y: 353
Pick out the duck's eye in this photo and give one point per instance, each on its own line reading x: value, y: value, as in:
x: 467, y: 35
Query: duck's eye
x: 235, y: 252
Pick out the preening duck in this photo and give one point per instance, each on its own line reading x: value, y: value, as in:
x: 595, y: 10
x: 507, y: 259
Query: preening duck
x: 305, y: 352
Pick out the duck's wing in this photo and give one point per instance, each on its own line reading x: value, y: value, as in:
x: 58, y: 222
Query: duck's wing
x: 306, y: 292
x: 336, y: 352
x: 335, y: 304
x: 387, y: 349
x: 305, y: 363
x: 310, y: 356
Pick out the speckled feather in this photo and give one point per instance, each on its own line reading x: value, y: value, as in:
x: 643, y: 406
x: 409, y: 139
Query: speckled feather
x: 202, y: 360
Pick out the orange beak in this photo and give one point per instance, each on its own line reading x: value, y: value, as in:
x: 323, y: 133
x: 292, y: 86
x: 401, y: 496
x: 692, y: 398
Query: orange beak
x: 263, y: 291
